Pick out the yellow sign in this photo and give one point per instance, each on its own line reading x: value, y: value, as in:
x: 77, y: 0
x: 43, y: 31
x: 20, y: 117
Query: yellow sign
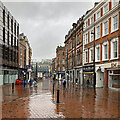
x: 88, y: 72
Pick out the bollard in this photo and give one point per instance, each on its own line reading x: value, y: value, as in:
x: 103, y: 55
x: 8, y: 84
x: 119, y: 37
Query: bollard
x: 12, y: 86
x: 57, y: 96
x: 53, y: 89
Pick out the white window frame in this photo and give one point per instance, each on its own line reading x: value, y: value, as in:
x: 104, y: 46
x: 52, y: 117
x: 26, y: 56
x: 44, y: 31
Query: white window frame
x: 112, y: 24
x: 104, y: 8
x: 96, y: 54
x: 86, y: 38
x: 86, y: 23
x: 91, y: 54
x: 103, y: 51
x: 114, y: 4
x: 87, y: 56
x: 91, y: 20
x: 97, y: 17
x: 97, y: 37
x: 104, y: 34
x: 91, y: 35
x: 112, y: 52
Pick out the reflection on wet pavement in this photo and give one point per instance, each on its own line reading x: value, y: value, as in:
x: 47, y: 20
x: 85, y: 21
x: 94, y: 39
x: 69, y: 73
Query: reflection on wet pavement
x: 76, y: 102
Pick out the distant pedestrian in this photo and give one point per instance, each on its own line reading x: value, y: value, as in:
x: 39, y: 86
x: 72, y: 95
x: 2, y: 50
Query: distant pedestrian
x: 88, y: 82
x: 64, y: 83
x: 76, y: 83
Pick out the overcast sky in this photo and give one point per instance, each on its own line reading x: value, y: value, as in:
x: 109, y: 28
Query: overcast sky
x: 46, y: 23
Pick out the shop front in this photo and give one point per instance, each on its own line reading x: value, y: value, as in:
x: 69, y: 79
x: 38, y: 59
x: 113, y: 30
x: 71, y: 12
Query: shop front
x: 79, y: 76
x: 88, y: 74
x: 114, y: 78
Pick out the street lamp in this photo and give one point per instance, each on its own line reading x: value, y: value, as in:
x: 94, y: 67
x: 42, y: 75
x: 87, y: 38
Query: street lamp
x: 94, y: 84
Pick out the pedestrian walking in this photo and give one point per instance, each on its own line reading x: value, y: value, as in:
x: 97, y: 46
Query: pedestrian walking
x: 76, y: 83
x: 64, y: 83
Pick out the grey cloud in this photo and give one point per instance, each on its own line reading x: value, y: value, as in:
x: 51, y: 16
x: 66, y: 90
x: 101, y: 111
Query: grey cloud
x: 46, y: 23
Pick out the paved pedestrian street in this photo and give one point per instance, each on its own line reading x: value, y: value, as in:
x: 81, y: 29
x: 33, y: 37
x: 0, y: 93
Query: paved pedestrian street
x: 75, y: 101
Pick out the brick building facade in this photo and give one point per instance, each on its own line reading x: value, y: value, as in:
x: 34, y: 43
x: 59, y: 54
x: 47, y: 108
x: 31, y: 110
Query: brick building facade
x: 73, y: 47
x: 60, y: 61
x: 25, y: 54
x: 104, y: 21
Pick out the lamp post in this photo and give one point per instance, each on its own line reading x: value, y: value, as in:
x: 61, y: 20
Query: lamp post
x: 94, y: 83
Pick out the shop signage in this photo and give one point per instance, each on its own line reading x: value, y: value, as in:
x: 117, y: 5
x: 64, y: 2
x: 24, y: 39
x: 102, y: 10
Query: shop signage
x: 88, y: 68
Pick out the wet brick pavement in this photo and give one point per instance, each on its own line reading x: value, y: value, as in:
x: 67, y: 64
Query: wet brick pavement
x: 75, y: 102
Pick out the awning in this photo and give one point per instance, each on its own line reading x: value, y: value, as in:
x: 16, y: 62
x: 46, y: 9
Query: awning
x: 88, y: 72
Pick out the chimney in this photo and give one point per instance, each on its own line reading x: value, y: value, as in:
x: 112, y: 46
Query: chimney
x: 95, y: 3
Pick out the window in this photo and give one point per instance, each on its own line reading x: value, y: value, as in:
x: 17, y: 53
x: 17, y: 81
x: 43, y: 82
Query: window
x: 70, y: 45
x: 114, y: 2
x: 8, y: 38
x: 63, y: 68
x: 91, y: 55
x: 21, y: 63
x: 70, y: 61
x: 86, y: 38
x: 15, y: 41
x: 15, y: 28
x: 98, y: 53
x: 11, y: 25
x: 98, y: 14
x: 92, y: 20
x: 4, y: 34
x: 86, y: 56
x: 106, y: 51
x: 17, y: 31
x: 98, y: 32
x: 78, y: 59
x: 115, y: 22
x: 115, y: 49
x: 4, y: 17
x: 106, y: 28
x: 78, y: 38
x: 8, y: 20
x: 11, y: 40
x: 86, y: 24
x: 106, y: 8
x: 91, y: 36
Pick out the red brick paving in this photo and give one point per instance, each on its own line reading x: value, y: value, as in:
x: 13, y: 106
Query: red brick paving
x: 38, y: 102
